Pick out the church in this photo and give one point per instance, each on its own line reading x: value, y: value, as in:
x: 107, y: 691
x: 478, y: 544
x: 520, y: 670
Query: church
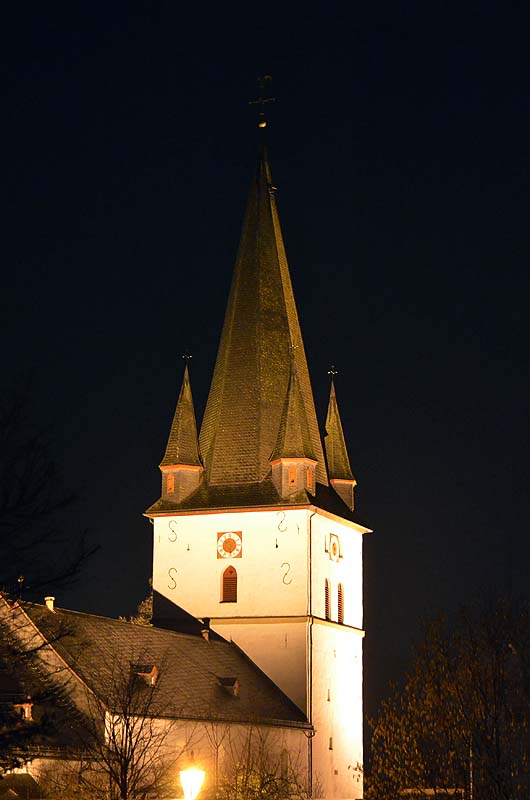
x: 257, y: 556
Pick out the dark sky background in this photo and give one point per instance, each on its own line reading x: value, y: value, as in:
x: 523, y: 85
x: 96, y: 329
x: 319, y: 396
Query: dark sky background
x: 399, y: 145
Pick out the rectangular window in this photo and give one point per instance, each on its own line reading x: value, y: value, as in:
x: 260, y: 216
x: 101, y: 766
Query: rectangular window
x: 170, y: 483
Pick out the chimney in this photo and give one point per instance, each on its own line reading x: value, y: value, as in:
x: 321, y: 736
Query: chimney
x: 50, y: 600
x: 205, y: 632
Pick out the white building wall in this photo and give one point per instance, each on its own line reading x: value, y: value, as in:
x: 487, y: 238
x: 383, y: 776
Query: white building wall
x: 345, y: 569
x: 278, y: 619
x: 336, y: 691
x: 215, y: 747
x: 272, y: 569
x: 278, y: 646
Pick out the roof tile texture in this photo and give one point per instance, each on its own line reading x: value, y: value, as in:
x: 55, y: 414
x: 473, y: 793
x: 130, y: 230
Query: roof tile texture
x: 98, y: 648
x: 182, y: 446
x: 261, y: 332
x: 336, y: 451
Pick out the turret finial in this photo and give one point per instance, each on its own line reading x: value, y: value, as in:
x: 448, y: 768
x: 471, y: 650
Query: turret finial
x: 264, y: 97
x: 332, y: 371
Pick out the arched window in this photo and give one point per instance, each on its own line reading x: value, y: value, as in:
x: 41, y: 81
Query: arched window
x: 327, y: 600
x: 340, y: 596
x: 229, y: 592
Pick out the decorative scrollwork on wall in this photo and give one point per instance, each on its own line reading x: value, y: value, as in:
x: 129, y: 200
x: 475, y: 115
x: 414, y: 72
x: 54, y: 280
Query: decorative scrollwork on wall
x: 287, y: 567
x: 282, y: 527
x: 172, y: 535
x: 172, y: 575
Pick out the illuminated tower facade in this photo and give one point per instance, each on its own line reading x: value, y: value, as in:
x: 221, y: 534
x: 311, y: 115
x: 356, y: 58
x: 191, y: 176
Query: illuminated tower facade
x: 255, y: 529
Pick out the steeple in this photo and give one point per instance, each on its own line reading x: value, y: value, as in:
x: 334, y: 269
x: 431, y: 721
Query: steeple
x: 293, y: 467
x: 261, y: 335
x: 181, y: 466
x: 340, y: 474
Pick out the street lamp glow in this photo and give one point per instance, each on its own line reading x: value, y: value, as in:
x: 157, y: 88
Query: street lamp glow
x: 191, y: 780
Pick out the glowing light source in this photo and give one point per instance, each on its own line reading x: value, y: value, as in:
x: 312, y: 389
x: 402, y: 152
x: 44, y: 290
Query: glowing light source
x: 191, y: 780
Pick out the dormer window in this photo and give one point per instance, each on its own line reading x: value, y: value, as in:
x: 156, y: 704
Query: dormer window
x: 147, y: 672
x: 230, y: 685
x: 24, y: 709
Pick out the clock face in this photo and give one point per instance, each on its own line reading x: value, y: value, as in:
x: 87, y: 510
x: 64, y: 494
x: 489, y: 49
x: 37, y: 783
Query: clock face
x: 229, y: 544
x: 334, y: 547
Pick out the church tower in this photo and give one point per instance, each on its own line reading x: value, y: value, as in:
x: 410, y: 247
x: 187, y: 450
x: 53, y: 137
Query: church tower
x: 255, y: 530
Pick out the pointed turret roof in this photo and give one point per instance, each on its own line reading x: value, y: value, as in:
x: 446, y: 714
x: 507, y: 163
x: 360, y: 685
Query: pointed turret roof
x: 182, y: 446
x: 252, y: 374
x: 336, y: 451
x: 294, y: 440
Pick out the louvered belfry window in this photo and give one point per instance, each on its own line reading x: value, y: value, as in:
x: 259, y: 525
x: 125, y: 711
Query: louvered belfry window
x: 229, y: 585
x: 341, y: 603
x: 327, y: 602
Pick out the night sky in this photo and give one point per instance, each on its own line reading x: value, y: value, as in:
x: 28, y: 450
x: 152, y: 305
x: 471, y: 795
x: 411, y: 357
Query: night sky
x: 399, y: 146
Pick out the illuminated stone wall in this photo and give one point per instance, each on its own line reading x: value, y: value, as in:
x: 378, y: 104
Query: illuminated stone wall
x: 279, y: 619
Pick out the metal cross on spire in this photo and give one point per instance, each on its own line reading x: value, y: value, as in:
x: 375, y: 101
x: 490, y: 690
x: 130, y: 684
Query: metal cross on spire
x: 332, y: 371
x: 264, y: 97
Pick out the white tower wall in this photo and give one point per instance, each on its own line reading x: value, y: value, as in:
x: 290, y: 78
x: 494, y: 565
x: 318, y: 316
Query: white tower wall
x: 279, y: 618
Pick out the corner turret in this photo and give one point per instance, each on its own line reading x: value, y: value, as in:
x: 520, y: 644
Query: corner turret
x: 340, y: 474
x: 292, y: 460
x: 181, y: 466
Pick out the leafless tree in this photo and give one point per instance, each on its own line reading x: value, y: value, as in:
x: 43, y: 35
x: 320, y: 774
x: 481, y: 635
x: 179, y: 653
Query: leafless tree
x: 32, y: 535
x: 35, y: 711
x: 462, y: 721
x: 254, y: 763
x: 32, y: 501
x: 126, y: 750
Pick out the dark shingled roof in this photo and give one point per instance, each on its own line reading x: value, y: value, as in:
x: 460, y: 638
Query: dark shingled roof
x: 188, y: 687
x: 294, y: 440
x: 261, y: 331
x: 336, y: 450
x: 182, y: 446
x: 255, y: 495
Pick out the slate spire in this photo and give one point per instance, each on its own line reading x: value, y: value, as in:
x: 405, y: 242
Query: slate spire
x: 181, y: 466
x: 293, y: 439
x: 340, y: 474
x: 183, y: 446
x: 261, y: 334
x: 293, y: 465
